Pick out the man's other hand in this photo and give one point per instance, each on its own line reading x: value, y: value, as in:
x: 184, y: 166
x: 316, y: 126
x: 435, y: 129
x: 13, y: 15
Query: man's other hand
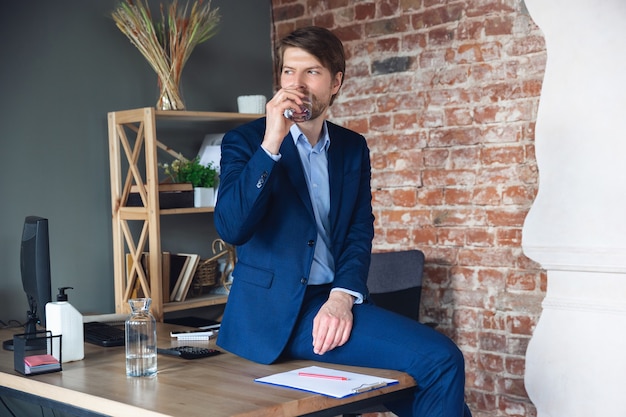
x: 333, y: 323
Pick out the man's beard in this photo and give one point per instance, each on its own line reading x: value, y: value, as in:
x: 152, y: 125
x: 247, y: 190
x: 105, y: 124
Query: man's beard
x: 318, y: 107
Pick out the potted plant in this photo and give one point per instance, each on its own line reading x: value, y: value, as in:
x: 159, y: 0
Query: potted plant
x: 203, y: 178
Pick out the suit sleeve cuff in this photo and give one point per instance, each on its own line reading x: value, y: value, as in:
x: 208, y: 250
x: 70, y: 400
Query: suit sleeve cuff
x: 276, y: 158
x: 358, y: 297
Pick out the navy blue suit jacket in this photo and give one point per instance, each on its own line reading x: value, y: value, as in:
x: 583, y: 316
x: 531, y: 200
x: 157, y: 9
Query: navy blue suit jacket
x: 265, y: 210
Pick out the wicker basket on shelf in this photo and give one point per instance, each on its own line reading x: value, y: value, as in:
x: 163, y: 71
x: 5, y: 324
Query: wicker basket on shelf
x: 206, y: 273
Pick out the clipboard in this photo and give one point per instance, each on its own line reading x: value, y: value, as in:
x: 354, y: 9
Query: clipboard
x: 332, y: 382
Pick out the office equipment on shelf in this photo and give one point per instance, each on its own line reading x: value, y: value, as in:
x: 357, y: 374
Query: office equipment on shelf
x: 104, y: 334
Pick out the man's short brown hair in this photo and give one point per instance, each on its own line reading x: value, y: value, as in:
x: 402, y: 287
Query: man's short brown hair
x: 319, y: 42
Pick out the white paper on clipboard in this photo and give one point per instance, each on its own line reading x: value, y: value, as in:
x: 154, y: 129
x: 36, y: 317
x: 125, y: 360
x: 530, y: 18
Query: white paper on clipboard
x: 354, y: 384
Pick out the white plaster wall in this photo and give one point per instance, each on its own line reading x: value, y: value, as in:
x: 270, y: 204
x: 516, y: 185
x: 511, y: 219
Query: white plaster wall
x: 581, y: 132
x: 576, y: 228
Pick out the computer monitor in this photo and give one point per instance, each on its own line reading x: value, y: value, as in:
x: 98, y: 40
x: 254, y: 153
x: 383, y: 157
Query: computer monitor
x: 35, y: 269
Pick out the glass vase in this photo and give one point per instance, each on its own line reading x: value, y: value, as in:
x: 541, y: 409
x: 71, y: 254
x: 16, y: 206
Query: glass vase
x: 170, y: 96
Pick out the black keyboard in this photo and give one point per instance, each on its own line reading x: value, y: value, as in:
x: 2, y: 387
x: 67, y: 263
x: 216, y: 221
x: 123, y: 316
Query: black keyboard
x: 104, y: 334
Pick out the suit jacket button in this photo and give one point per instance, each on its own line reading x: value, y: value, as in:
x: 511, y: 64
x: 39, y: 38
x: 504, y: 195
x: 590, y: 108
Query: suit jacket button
x: 303, y: 281
x: 311, y: 243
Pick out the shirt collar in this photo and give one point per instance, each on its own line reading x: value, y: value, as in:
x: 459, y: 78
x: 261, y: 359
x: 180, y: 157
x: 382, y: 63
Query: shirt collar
x: 325, y: 137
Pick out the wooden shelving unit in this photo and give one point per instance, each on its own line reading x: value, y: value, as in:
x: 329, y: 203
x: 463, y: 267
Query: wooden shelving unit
x: 133, y: 146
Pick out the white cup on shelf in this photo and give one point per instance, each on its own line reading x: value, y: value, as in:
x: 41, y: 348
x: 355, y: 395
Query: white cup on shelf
x: 253, y: 104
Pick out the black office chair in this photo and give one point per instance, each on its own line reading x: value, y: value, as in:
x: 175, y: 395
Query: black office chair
x: 395, y: 283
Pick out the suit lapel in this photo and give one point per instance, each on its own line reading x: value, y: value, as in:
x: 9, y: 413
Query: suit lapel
x: 336, y: 152
x: 293, y: 167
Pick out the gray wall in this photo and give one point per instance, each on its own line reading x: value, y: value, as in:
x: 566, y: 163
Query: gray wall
x: 63, y: 66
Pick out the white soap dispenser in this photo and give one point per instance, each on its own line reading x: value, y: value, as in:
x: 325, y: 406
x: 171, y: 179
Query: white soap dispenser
x: 63, y: 319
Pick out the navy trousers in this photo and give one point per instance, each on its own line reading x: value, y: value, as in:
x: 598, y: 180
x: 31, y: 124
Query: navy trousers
x: 383, y: 339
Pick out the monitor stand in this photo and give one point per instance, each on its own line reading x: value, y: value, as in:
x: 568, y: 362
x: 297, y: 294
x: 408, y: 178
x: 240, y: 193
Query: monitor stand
x: 37, y: 343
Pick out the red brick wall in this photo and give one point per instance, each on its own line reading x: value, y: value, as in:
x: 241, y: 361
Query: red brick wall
x: 446, y: 93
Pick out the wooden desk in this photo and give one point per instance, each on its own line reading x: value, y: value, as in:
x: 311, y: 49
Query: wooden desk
x: 221, y: 385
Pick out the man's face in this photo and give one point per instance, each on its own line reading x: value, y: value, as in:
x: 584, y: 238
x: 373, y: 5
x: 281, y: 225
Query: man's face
x: 303, y: 71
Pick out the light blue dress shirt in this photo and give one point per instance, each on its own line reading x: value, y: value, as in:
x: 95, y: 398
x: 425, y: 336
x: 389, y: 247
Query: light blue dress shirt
x: 315, y: 165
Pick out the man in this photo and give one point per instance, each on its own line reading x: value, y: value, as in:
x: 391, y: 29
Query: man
x: 295, y: 199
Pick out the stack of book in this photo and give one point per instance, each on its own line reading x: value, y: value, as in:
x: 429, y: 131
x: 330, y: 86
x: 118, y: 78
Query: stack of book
x: 178, y: 270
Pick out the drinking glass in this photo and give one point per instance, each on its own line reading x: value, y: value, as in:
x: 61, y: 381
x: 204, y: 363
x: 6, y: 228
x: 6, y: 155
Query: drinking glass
x: 300, y: 113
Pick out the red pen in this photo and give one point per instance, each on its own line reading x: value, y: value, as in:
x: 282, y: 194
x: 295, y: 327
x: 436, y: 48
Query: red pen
x: 336, y: 377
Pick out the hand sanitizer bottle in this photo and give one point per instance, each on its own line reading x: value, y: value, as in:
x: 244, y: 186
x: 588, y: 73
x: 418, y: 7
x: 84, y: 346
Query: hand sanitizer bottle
x: 62, y: 318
